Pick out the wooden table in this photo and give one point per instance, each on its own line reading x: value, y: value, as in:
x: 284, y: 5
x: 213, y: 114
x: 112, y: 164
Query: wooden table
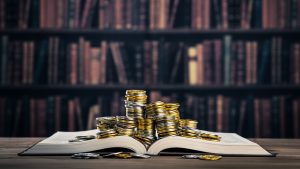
x: 288, y: 157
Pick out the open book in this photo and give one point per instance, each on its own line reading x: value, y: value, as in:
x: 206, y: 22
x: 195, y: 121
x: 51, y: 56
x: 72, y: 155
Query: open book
x: 230, y: 144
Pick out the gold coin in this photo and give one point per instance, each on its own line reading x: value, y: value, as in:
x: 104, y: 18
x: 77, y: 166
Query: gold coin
x: 210, y: 157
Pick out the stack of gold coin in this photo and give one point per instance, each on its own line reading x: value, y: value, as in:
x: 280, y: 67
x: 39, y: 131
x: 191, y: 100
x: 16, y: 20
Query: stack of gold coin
x: 135, y: 101
x: 125, y: 126
x: 106, y: 133
x: 187, y: 128
x: 188, y: 132
x: 172, y: 110
x: 105, y: 123
x: 106, y: 127
x: 166, y: 126
x: 188, y: 123
x: 146, y: 128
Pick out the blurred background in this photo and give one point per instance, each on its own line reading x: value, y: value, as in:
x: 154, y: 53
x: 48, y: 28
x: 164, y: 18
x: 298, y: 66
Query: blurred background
x: 233, y: 65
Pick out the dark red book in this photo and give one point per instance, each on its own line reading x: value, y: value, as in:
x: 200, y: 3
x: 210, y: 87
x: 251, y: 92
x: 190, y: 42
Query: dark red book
x: 116, y: 54
x: 95, y: 66
x: 104, y: 48
x: 57, y: 111
x: 225, y: 14
x: 282, y: 116
x: 85, y: 13
x: 71, y: 114
x: 73, y: 50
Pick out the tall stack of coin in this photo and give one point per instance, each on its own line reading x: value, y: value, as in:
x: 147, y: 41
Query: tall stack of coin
x: 106, y: 127
x: 125, y: 126
x: 135, y: 101
x: 146, y: 132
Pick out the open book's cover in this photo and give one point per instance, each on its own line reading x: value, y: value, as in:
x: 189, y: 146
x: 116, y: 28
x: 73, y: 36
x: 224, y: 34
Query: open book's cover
x: 231, y: 144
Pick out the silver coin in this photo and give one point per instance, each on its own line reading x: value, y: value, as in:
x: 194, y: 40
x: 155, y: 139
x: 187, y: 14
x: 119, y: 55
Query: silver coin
x: 138, y: 155
x: 85, y: 156
x: 190, y: 156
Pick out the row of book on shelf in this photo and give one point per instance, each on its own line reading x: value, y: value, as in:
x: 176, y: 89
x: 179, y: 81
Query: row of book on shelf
x: 224, y: 61
x: 250, y: 116
x: 150, y: 14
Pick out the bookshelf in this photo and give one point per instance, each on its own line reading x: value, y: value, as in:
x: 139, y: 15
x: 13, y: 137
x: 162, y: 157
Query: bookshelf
x: 246, y: 103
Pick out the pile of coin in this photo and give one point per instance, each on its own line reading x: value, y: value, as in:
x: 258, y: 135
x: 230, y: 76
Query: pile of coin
x: 125, y: 126
x: 135, y: 101
x: 188, y: 123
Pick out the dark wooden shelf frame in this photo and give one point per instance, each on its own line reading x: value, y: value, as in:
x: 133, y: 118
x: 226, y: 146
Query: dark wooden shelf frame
x: 172, y: 34
x: 264, y: 90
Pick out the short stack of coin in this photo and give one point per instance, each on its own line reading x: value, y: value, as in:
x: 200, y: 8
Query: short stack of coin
x: 106, y: 127
x: 188, y: 123
x: 105, y: 123
x: 125, y: 126
x: 187, y: 128
x: 135, y: 101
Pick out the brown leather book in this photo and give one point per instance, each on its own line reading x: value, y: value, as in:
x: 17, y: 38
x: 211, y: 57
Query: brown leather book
x: 60, y: 13
x: 254, y: 62
x: 87, y: 62
x: 265, y: 13
x: 248, y: 62
x: 200, y: 64
x: 155, y: 61
x: 225, y: 14
x: 85, y: 13
x: 118, y: 14
x: 31, y: 60
x: 147, y: 63
x: 103, y: 62
x: 95, y: 71
x: 117, y: 57
x: 152, y: 14
x: 57, y: 111
x: 32, y: 117
x: 282, y: 115
x: 257, y: 118
x: 25, y: 60
x: 218, y: 62
x: 206, y: 14
x: 41, y: 114
x: 101, y: 13
x: 128, y: 14
x: 266, y: 116
x: 71, y: 115
x: 296, y: 118
x: 192, y: 65
x: 242, y: 116
x: 220, y: 106
x: 43, y: 13
x: 73, y: 49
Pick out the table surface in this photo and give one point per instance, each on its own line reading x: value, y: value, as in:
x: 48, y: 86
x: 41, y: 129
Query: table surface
x: 288, y: 157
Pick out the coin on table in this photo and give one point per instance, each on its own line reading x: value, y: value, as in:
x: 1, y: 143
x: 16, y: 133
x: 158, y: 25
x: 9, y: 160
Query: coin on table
x: 85, y: 156
x: 190, y: 156
x: 210, y: 157
x: 117, y: 155
x: 138, y: 155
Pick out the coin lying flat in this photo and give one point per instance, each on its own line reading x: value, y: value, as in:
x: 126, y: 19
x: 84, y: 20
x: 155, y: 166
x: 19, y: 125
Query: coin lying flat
x: 85, y: 156
x: 138, y: 155
x: 118, y: 155
x: 190, y: 156
x: 210, y: 157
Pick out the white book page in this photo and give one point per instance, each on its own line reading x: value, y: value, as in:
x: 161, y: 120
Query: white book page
x: 61, y: 137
